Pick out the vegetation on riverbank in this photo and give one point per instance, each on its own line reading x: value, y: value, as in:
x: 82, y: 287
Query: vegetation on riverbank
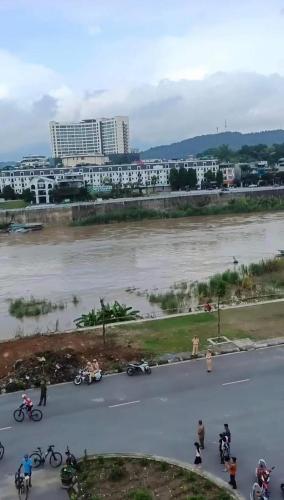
x: 233, y: 206
x: 257, y: 280
x: 142, y: 479
x: 109, y: 313
x: 7, y: 205
x: 19, y: 308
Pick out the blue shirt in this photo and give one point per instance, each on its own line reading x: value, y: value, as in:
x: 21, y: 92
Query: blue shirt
x: 27, y: 466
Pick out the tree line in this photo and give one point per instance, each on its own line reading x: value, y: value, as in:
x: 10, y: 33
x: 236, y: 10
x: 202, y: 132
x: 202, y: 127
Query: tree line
x: 246, y: 154
x: 187, y: 179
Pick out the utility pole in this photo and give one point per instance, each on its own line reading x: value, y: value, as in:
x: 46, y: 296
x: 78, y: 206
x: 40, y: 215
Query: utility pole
x: 104, y: 327
x: 219, y: 318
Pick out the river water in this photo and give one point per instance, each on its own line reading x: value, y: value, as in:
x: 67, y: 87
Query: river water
x: 104, y: 261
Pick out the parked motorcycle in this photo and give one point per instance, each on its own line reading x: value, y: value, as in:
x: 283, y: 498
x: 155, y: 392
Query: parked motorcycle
x: 262, y: 473
x: 83, y: 377
x: 138, y: 368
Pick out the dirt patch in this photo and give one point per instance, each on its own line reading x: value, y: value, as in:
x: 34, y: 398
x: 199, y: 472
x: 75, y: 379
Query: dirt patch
x: 59, y: 356
x: 141, y: 478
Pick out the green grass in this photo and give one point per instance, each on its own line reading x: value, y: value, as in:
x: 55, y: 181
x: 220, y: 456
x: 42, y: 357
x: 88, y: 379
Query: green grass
x: 175, y: 334
x: 233, y: 206
x: 19, y: 308
x: 6, y: 205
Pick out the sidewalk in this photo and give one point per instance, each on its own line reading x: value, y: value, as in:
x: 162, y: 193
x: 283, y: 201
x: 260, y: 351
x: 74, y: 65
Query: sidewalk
x: 45, y: 486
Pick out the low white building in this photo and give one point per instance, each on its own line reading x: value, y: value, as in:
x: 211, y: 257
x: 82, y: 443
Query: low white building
x: 34, y: 161
x: 142, y: 174
x: 73, y: 161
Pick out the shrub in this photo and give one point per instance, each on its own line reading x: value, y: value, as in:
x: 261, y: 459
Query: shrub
x: 117, y: 473
x: 140, y: 494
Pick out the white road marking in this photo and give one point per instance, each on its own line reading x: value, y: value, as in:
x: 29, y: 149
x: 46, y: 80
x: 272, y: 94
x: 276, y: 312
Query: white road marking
x: 237, y: 381
x: 123, y: 404
x: 5, y: 428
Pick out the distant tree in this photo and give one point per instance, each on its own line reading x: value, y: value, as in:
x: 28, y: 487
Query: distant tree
x: 183, y: 178
x: 154, y: 180
x: 57, y: 162
x: 174, y: 179
x: 209, y: 176
x: 220, y: 178
x: 72, y: 193
x: 27, y: 196
x: 224, y: 153
x: 191, y: 178
x: 8, y: 193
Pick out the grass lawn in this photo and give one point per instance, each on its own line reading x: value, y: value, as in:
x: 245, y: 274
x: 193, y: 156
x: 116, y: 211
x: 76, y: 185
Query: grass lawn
x: 175, y: 334
x: 6, y: 205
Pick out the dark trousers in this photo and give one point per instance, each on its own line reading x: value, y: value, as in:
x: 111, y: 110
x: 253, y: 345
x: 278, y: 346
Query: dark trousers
x: 42, y: 398
x: 233, y: 482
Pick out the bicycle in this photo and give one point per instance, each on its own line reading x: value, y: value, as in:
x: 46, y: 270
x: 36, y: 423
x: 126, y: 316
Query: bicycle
x: 34, y: 414
x: 70, y: 458
x: 2, y: 450
x: 22, y: 483
x: 39, y: 458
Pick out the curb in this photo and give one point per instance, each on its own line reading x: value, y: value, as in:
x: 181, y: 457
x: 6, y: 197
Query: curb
x: 178, y: 463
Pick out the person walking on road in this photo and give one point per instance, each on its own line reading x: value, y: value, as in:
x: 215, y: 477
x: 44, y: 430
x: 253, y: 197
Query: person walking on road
x: 209, y: 361
x: 195, y: 345
x: 43, y: 391
x: 227, y: 433
x: 201, y: 433
x: 232, y: 469
x: 198, y: 459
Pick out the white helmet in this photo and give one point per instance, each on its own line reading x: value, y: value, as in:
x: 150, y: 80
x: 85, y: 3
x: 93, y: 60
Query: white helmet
x: 24, y: 396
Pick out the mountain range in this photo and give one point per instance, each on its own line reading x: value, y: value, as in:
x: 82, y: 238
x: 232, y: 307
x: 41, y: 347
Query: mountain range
x: 198, y: 144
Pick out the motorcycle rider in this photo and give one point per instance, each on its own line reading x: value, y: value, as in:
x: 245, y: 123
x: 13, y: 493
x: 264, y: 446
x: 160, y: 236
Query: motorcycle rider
x: 27, y: 403
x: 90, y: 371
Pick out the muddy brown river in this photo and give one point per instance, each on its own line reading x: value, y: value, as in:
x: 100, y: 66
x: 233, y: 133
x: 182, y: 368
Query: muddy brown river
x: 104, y: 261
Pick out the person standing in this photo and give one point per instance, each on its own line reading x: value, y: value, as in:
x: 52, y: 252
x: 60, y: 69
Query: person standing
x: 209, y: 361
x: 201, y: 433
x: 227, y: 433
x: 198, y: 459
x: 195, y: 345
x: 43, y: 391
x: 232, y: 469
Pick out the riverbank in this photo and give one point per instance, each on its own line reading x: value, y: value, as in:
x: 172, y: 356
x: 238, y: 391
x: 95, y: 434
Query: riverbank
x: 40, y: 354
x: 162, y: 205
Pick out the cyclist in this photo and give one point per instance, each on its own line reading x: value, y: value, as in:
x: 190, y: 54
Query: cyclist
x: 27, y: 403
x: 27, y: 466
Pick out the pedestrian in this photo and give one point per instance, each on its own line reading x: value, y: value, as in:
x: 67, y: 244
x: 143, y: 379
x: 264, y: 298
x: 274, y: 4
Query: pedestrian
x: 198, y: 459
x: 195, y: 345
x: 232, y: 469
x: 225, y: 451
x: 227, y: 433
x: 209, y: 361
x: 43, y: 391
x: 220, y: 448
x: 201, y: 433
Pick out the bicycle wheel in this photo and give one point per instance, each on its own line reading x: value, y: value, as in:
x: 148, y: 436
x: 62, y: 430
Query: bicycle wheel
x: 55, y: 459
x: 2, y: 449
x: 36, y: 415
x: 19, y: 415
x: 36, y: 460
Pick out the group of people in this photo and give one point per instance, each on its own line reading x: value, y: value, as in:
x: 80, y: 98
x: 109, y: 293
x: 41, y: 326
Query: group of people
x: 92, y: 368
x: 195, y: 351
x: 226, y: 459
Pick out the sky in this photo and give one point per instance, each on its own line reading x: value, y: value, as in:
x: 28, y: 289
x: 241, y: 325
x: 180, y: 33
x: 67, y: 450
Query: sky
x: 177, y: 68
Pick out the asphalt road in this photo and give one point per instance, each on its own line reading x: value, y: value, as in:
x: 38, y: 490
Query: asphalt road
x: 158, y: 414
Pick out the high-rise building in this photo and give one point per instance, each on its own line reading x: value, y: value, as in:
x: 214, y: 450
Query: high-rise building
x: 101, y: 135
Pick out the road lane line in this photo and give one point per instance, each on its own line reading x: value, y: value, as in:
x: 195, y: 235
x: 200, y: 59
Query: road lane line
x: 237, y: 381
x: 123, y: 404
x: 5, y: 428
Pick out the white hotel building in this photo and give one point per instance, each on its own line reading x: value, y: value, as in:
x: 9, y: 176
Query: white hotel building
x: 42, y: 180
x: 88, y: 137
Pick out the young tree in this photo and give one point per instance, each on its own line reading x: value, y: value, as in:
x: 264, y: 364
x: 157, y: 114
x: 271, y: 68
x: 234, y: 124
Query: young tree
x: 174, y: 179
x: 182, y: 177
x: 154, y: 180
x: 191, y: 178
x: 27, y: 196
x: 219, y: 178
x: 8, y: 193
x: 209, y: 176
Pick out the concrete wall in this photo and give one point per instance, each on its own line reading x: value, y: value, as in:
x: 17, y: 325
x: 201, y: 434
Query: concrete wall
x: 65, y: 214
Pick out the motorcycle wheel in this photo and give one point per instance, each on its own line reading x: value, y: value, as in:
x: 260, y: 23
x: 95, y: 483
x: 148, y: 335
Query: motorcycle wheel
x: 77, y: 380
x: 148, y: 370
x: 130, y: 371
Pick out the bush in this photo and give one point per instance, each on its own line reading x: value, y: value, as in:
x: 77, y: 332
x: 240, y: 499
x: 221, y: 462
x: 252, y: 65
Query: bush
x: 117, y: 473
x: 140, y: 494
x: 14, y: 386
